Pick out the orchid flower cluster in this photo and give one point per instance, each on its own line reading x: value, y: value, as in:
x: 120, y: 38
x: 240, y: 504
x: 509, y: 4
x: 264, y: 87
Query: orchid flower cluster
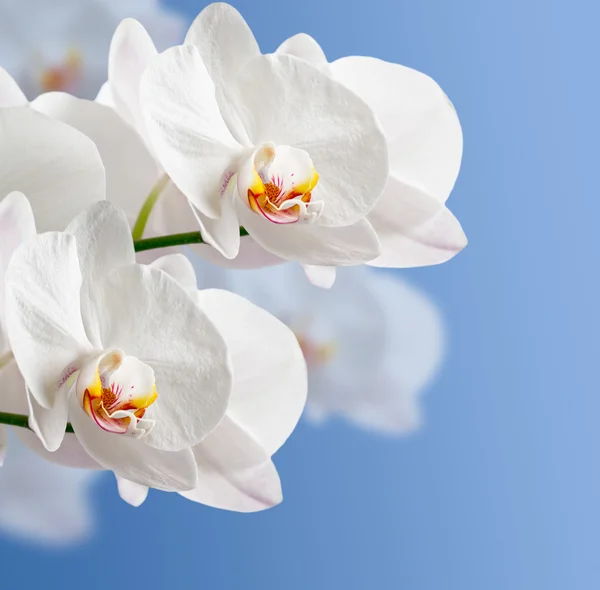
x: 110, y: 356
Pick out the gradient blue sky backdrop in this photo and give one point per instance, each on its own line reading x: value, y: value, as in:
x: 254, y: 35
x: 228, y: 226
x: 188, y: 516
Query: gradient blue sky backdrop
x: 501, y: 489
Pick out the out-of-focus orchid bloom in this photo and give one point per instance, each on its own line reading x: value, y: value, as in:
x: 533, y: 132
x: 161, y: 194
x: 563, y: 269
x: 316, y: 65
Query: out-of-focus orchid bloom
x: 372, y: 343
x: 43, y: 502
x: 63, y: 47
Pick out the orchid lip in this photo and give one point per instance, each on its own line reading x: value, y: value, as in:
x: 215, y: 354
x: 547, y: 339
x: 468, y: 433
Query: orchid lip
x: 115, y: 391
x: 277, y: 183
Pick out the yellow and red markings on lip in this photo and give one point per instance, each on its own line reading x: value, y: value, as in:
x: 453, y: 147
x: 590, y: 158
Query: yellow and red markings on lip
x: 268, y: 199
x: 101, y: 402
x: 316, y: 353
x: 62, y: 76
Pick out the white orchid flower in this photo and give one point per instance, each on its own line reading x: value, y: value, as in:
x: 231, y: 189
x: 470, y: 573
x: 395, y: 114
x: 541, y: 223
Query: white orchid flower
x: 280, y: 149
x: 93, y: 333
x: 421, y: 126
x: 369, y: 367
x: 65, y: 46
x: 141, y: 365
x: 44, y: 503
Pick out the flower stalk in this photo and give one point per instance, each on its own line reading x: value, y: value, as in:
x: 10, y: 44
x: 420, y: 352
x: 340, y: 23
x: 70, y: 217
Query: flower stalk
x: 184, y: 239
x: 146, y: 210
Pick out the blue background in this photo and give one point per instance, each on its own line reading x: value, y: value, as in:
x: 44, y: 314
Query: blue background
x: 500, y: 489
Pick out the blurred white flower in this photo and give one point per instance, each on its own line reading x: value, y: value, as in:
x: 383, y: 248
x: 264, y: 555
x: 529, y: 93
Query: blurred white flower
x: 44, y: 502
x: 64, y: 45
x: 373, y: 343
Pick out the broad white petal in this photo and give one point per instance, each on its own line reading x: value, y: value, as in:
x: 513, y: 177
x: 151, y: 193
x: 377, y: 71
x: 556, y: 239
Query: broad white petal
x: 251, y: 255
x: 132, y: 458
x: 12, y: 390
x: 311, y: 243
x: 42, y: 502
x: 186, y: 128
x: 131, y: 492
x: 131, y: 50
x: 269, y: 390
x: 49, y: 424
x: 55, y: 166
x: 105, y: 97
x: 150, y: 316
x: 104, y: 243
x: 320, y: 276
x: 131, y: 171
x: 420, y: 123
x: 223, y: 234
x: 180, y: 268
x: 287, y: 101
x: 306, y: 48
x: 436, y: 241
x: 16, y: 226
x: 3, y: 443
x: 10, y: 93
x: 43, y: 311
x: 234, y: 471
x: 225, y: 42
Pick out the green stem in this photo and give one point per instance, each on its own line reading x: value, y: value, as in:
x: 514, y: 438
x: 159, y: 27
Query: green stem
x: 21, y: 420
x: 192, y: 237
x: 144, y: 214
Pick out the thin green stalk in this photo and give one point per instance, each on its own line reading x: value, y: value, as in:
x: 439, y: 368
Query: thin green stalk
x: 21, y: 420
x: 193, y: 237
x: 144, y: 214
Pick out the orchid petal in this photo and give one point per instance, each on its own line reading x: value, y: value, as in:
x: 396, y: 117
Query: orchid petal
x: 234, y: 472
x: 131, y: 171
x: 313, y: 244
x: 12, y: 390
x: 149, y: 315
x: 132, y: 493
x: 269, y: 390
x: 225, y: 42
x: 186, y: 128
x: 131, y: 51
x: 10, y: 93
x: 287, y: 101
x: 223, y: 234
x: 434, y: 242
x: 55, y: 166
x: 49, y: 424
x: 251, y: 255
x: 43, y: 312
x: 104, y: 242
x: 132, y: 458
x: 420, y: 123
x: 305, y: 47
x: 16, y: 226
x: 180, y: 268
x: 320, y: 276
